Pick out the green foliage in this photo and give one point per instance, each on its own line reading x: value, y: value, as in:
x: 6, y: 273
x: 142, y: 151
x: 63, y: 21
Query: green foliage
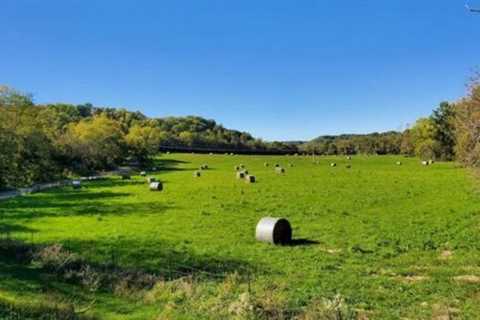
x: 423, y: 135
x: 375, y: 143
x: 444, y: 119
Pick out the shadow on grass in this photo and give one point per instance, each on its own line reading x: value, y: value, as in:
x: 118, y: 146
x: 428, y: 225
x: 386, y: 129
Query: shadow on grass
x: 36, y: 269
x: 302, y: 242
x: 168, y: 165
x: 6, y: 229
x: 86, y: 204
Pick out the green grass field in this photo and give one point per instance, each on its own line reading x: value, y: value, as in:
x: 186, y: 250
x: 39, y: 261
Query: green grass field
x: 376, y: 241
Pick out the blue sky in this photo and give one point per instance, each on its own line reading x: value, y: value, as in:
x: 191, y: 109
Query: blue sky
x: 279, y: 69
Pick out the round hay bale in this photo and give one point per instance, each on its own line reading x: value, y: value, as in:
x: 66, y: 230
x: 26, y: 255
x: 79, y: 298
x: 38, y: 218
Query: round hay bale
x: 277, y: 165
x: 266, y: 164
x: 76, y: 184
x: 240, y: 175
x: 237, y: 168
x: 151, y: 179
x: 156, y: 186
x: 197, y: 174
x: 290, y: 165
x: 279, y: 170
x: 143, y: 173
x: 399, y: 163
x: 245, y: 172
x: 349, y: 158
x: 274, y: 230
x: 333, y: 164
x: 242, y: 166
x: 250, y: 179
x: 430, y: 162
x: 425, y: 163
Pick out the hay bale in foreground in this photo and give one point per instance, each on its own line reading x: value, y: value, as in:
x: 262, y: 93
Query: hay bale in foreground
x: 250, y: 179
x: 274, y: 230
x: 156, y: 186
x: 197, y: 174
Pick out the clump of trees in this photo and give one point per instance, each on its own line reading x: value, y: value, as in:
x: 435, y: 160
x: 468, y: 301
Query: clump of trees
x: 440, y: 136
x: 348, y: 144
x: 41, y: 143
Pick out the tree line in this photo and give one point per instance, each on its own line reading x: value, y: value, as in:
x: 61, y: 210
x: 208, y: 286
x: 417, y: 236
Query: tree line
x: 451, y: 132
x: 41, y: 143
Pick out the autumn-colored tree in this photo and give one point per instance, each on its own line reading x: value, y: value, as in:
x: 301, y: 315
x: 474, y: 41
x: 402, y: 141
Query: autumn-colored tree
x: 467, y: 124
x: 95, y: 143
x: 143, y: 142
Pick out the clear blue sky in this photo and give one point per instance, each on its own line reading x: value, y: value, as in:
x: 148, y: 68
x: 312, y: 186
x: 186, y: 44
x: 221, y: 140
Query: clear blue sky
x: 278, y: 69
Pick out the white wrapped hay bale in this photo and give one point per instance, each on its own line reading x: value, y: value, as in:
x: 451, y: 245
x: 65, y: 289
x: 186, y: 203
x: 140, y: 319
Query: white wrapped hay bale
x: 279, y: 170
x: 197, y: 174
x: 143, y: 173
x: 250, y: 179
x: 399, y: 163
x: 156, y: 186
x: 333, y: 164
x: 425, y: 163
x: 349, y: 158
x: 76, y: 184
x: 274, y: 230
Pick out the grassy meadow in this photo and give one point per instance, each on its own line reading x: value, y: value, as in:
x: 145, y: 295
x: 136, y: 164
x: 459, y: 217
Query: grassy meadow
x: 374, y: 241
